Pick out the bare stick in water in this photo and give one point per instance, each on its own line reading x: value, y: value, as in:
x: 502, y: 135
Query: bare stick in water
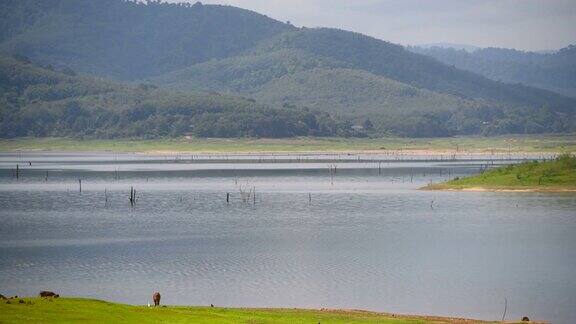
x: 505, y: 308
x: 132, y: 196
x: 332, y: 169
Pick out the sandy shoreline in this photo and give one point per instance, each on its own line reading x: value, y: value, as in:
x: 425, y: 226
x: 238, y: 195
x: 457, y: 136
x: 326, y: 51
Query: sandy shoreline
x: 431, y: 152
x: 382, y: 151
x: 427, y: 318
x: 482, y: 189
x: 445, y: 154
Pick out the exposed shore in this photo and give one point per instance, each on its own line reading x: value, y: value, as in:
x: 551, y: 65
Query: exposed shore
x: 510, y: 189
x: 501, y: 145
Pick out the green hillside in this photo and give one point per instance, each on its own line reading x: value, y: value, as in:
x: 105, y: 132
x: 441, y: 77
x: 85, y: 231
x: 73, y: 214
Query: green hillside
x: 354, y: 92
x: 36, y: 101
x: 247, y: 72
x: 395, y: 62
x: 295, y: 77
x: 399, y: 91
x: 305, y: 49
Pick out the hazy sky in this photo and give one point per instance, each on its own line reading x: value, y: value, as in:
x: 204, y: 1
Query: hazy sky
x: 522, y: 24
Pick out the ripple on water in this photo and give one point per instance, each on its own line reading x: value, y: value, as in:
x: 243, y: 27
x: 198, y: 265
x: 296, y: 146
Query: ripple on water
x: 367, y: 241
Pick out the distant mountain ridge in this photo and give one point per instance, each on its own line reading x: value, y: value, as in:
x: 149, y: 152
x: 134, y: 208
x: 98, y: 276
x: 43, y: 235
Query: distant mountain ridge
x: 465, y: 47
x: 555, y: 71
x: 238, y: 52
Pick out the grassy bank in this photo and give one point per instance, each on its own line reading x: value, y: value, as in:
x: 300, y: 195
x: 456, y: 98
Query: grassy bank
x: 95, y: 311
x: 555, y: 175
x: 502, y: 144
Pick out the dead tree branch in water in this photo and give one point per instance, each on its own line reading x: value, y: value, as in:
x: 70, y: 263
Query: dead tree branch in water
x: 505, y: 309
x: 332, y: 170
x: 132, y: 197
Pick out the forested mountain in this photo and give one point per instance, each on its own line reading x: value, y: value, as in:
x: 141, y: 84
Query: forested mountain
x: 297, y: 51
x: 401, y: 92
x: 552, y: 71
x: 125, y: 39
x: 211, y: 48
x: 36, y: 101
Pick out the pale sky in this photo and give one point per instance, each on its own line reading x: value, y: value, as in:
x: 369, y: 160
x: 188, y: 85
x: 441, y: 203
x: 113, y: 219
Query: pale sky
x: 521, y: 24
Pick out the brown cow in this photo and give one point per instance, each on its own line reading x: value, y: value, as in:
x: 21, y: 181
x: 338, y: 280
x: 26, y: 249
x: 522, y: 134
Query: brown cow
x: 156, y: 298
x: 48, y: 294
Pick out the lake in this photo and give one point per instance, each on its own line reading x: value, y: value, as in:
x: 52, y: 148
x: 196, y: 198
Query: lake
x: 323, y: 231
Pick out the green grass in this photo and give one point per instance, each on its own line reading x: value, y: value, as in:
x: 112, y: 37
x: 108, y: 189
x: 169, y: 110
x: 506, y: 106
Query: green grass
x: 536, y: 143
x: 555, y: 175
x: 66, y: 310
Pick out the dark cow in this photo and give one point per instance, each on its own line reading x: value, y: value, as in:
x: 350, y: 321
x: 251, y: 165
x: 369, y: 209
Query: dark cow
x: 525, y: 319
x: 156, y: 298
x: 48, y: 294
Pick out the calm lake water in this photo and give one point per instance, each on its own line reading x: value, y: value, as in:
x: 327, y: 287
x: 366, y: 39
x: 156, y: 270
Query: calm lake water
x: 365, y: 238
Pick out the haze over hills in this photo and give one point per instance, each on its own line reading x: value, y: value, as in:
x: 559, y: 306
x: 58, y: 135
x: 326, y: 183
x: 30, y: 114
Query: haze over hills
x: 127, y: 40
x: 466, y: 47
x: 554, y: 71
x: 198, y: 47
